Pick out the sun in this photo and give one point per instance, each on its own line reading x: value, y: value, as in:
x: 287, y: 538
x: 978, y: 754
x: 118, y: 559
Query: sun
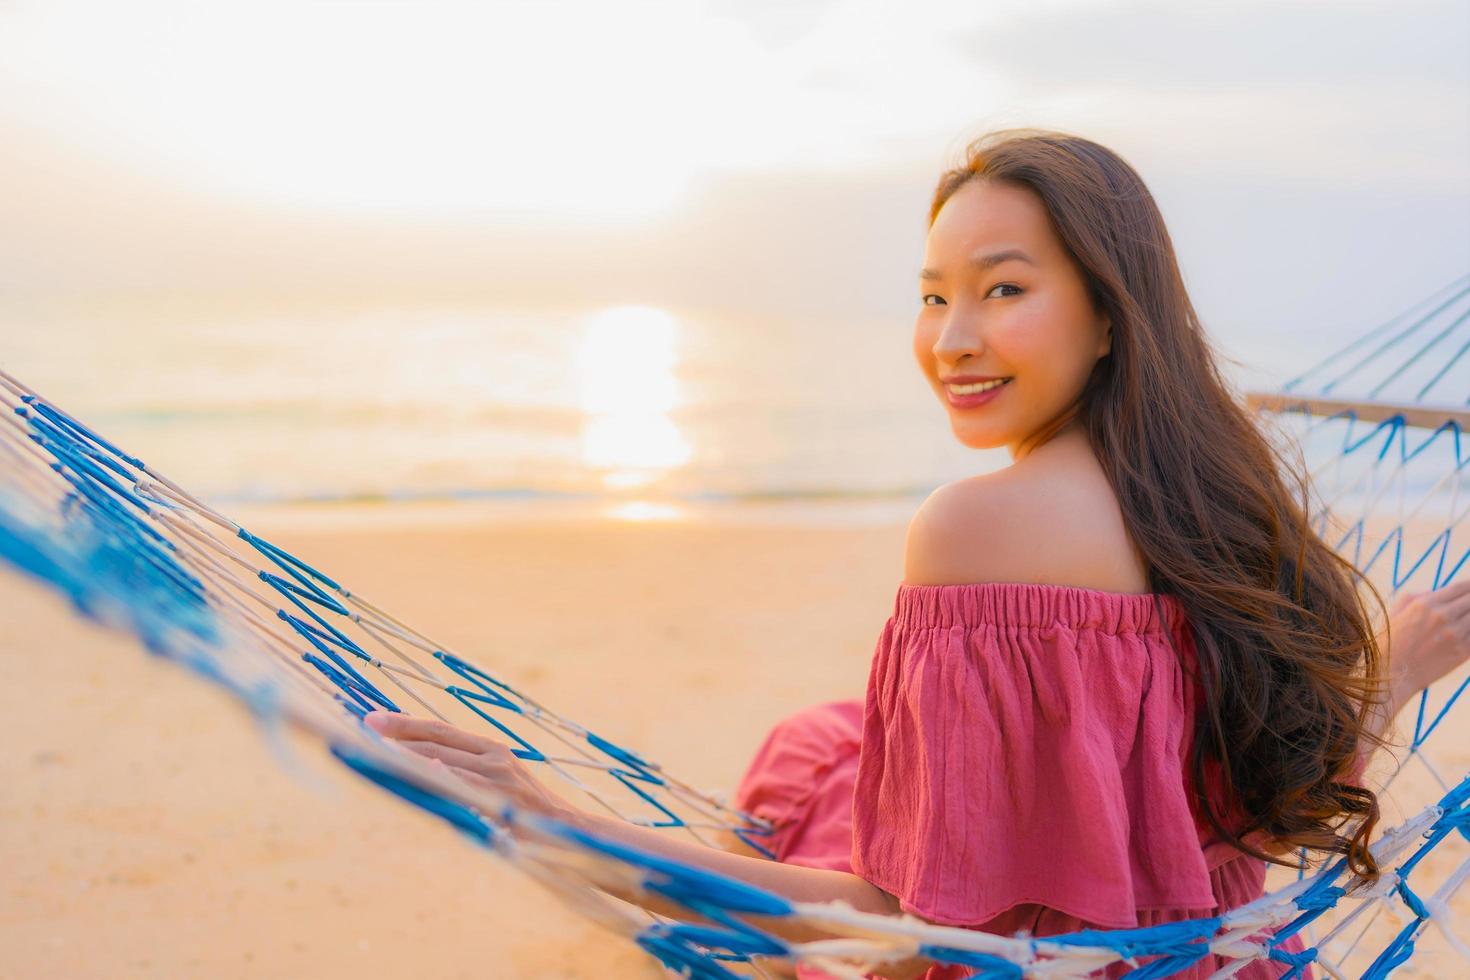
x: 627, y: 389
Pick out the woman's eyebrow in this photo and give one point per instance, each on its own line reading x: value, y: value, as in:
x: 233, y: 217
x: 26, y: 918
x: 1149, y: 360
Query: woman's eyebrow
x: 982, y: 262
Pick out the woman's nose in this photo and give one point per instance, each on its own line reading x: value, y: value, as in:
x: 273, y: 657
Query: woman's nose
x: 961, y: 335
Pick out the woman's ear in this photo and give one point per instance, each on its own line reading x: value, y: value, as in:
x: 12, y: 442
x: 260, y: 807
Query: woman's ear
x: 1107, y: 339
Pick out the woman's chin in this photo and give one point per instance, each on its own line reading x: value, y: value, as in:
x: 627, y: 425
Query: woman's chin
x: 975, y: 437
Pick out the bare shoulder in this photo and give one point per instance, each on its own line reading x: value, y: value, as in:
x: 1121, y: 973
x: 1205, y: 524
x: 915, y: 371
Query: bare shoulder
x: 1052, y: 520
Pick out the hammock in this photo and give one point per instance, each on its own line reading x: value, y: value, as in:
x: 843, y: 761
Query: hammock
x: 1380, y: 421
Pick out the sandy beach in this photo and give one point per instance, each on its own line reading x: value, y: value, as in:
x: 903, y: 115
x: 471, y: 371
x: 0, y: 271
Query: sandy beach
x: 149, y: 831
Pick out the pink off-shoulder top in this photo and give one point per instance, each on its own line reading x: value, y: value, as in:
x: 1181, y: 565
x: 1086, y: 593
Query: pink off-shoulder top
x: 1019, y: 762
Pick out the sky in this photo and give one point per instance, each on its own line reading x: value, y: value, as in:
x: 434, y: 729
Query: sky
x: 1312, y: 159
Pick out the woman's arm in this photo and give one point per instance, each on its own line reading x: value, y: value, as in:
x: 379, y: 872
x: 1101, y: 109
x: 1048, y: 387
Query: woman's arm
x: 1427, y: 637
x: 792, y: 882
x: 486, y: 762
x: 1382, y: 714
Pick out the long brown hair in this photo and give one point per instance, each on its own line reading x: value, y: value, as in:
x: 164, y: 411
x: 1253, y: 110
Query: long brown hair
x: 1288, y: 661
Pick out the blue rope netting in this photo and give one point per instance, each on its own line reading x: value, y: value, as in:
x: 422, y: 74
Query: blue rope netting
x: 131, y: 549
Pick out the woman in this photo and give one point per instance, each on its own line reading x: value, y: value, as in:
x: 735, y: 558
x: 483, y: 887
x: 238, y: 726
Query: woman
x: 1122, y: 674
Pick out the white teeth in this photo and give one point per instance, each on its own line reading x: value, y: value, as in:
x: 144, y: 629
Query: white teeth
x: 975, y: 388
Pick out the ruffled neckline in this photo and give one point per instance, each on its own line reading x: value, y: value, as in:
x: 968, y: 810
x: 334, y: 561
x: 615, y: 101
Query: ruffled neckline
x: 1036, y: 604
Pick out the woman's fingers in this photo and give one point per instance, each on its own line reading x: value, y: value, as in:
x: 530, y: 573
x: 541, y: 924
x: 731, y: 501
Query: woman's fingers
x: 1458, y: 601
x: 444, y: 753
x: 495, y: 763
x: 397, y: 724
x: 504, y: 784
x: 1432, y: 635
x: 1452, y: 599
x: 475, y: 779
x: 478, y: 760
x: 504, y: 788
x: 1454, y: 596
x: 1453, y: 603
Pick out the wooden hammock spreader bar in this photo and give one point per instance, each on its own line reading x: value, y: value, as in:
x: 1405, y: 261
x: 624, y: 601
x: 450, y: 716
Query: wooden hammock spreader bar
x: 1426, y: 416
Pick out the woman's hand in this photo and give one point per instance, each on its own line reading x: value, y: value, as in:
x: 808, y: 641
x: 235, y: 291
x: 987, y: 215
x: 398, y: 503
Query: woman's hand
x: 478, y: 760
x: 1428, y: 636
x: 486, y: 762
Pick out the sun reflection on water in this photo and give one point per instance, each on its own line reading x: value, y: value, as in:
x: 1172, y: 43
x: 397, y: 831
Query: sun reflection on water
x: 627, y: 390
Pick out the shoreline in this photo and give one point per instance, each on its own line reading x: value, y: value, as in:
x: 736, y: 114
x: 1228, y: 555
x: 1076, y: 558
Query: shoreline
x: 361, y: 515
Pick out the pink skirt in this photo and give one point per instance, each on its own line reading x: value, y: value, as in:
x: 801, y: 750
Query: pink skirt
x: 801, y: 779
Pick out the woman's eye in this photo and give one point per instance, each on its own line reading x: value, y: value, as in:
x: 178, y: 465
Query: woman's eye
x: 1005, y: 285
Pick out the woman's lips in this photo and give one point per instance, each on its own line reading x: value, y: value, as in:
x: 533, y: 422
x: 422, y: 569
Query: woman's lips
x: 974, y: 400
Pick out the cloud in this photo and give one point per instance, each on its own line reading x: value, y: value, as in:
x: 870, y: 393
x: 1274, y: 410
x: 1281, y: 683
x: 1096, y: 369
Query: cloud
x: 797, y: 242
x: 1232, y: 46
x: 1303, y: 112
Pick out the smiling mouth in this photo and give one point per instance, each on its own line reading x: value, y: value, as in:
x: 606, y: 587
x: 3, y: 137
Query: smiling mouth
x: 976, y: 388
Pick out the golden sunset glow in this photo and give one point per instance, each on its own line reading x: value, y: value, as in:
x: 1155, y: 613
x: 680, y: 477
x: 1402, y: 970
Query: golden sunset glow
x: 626, y: 386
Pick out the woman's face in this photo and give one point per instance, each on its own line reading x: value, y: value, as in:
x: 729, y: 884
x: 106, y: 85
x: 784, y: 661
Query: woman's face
x: 1002, y: 300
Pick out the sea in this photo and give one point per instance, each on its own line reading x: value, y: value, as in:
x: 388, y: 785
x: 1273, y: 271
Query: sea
x: 627, y: 405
